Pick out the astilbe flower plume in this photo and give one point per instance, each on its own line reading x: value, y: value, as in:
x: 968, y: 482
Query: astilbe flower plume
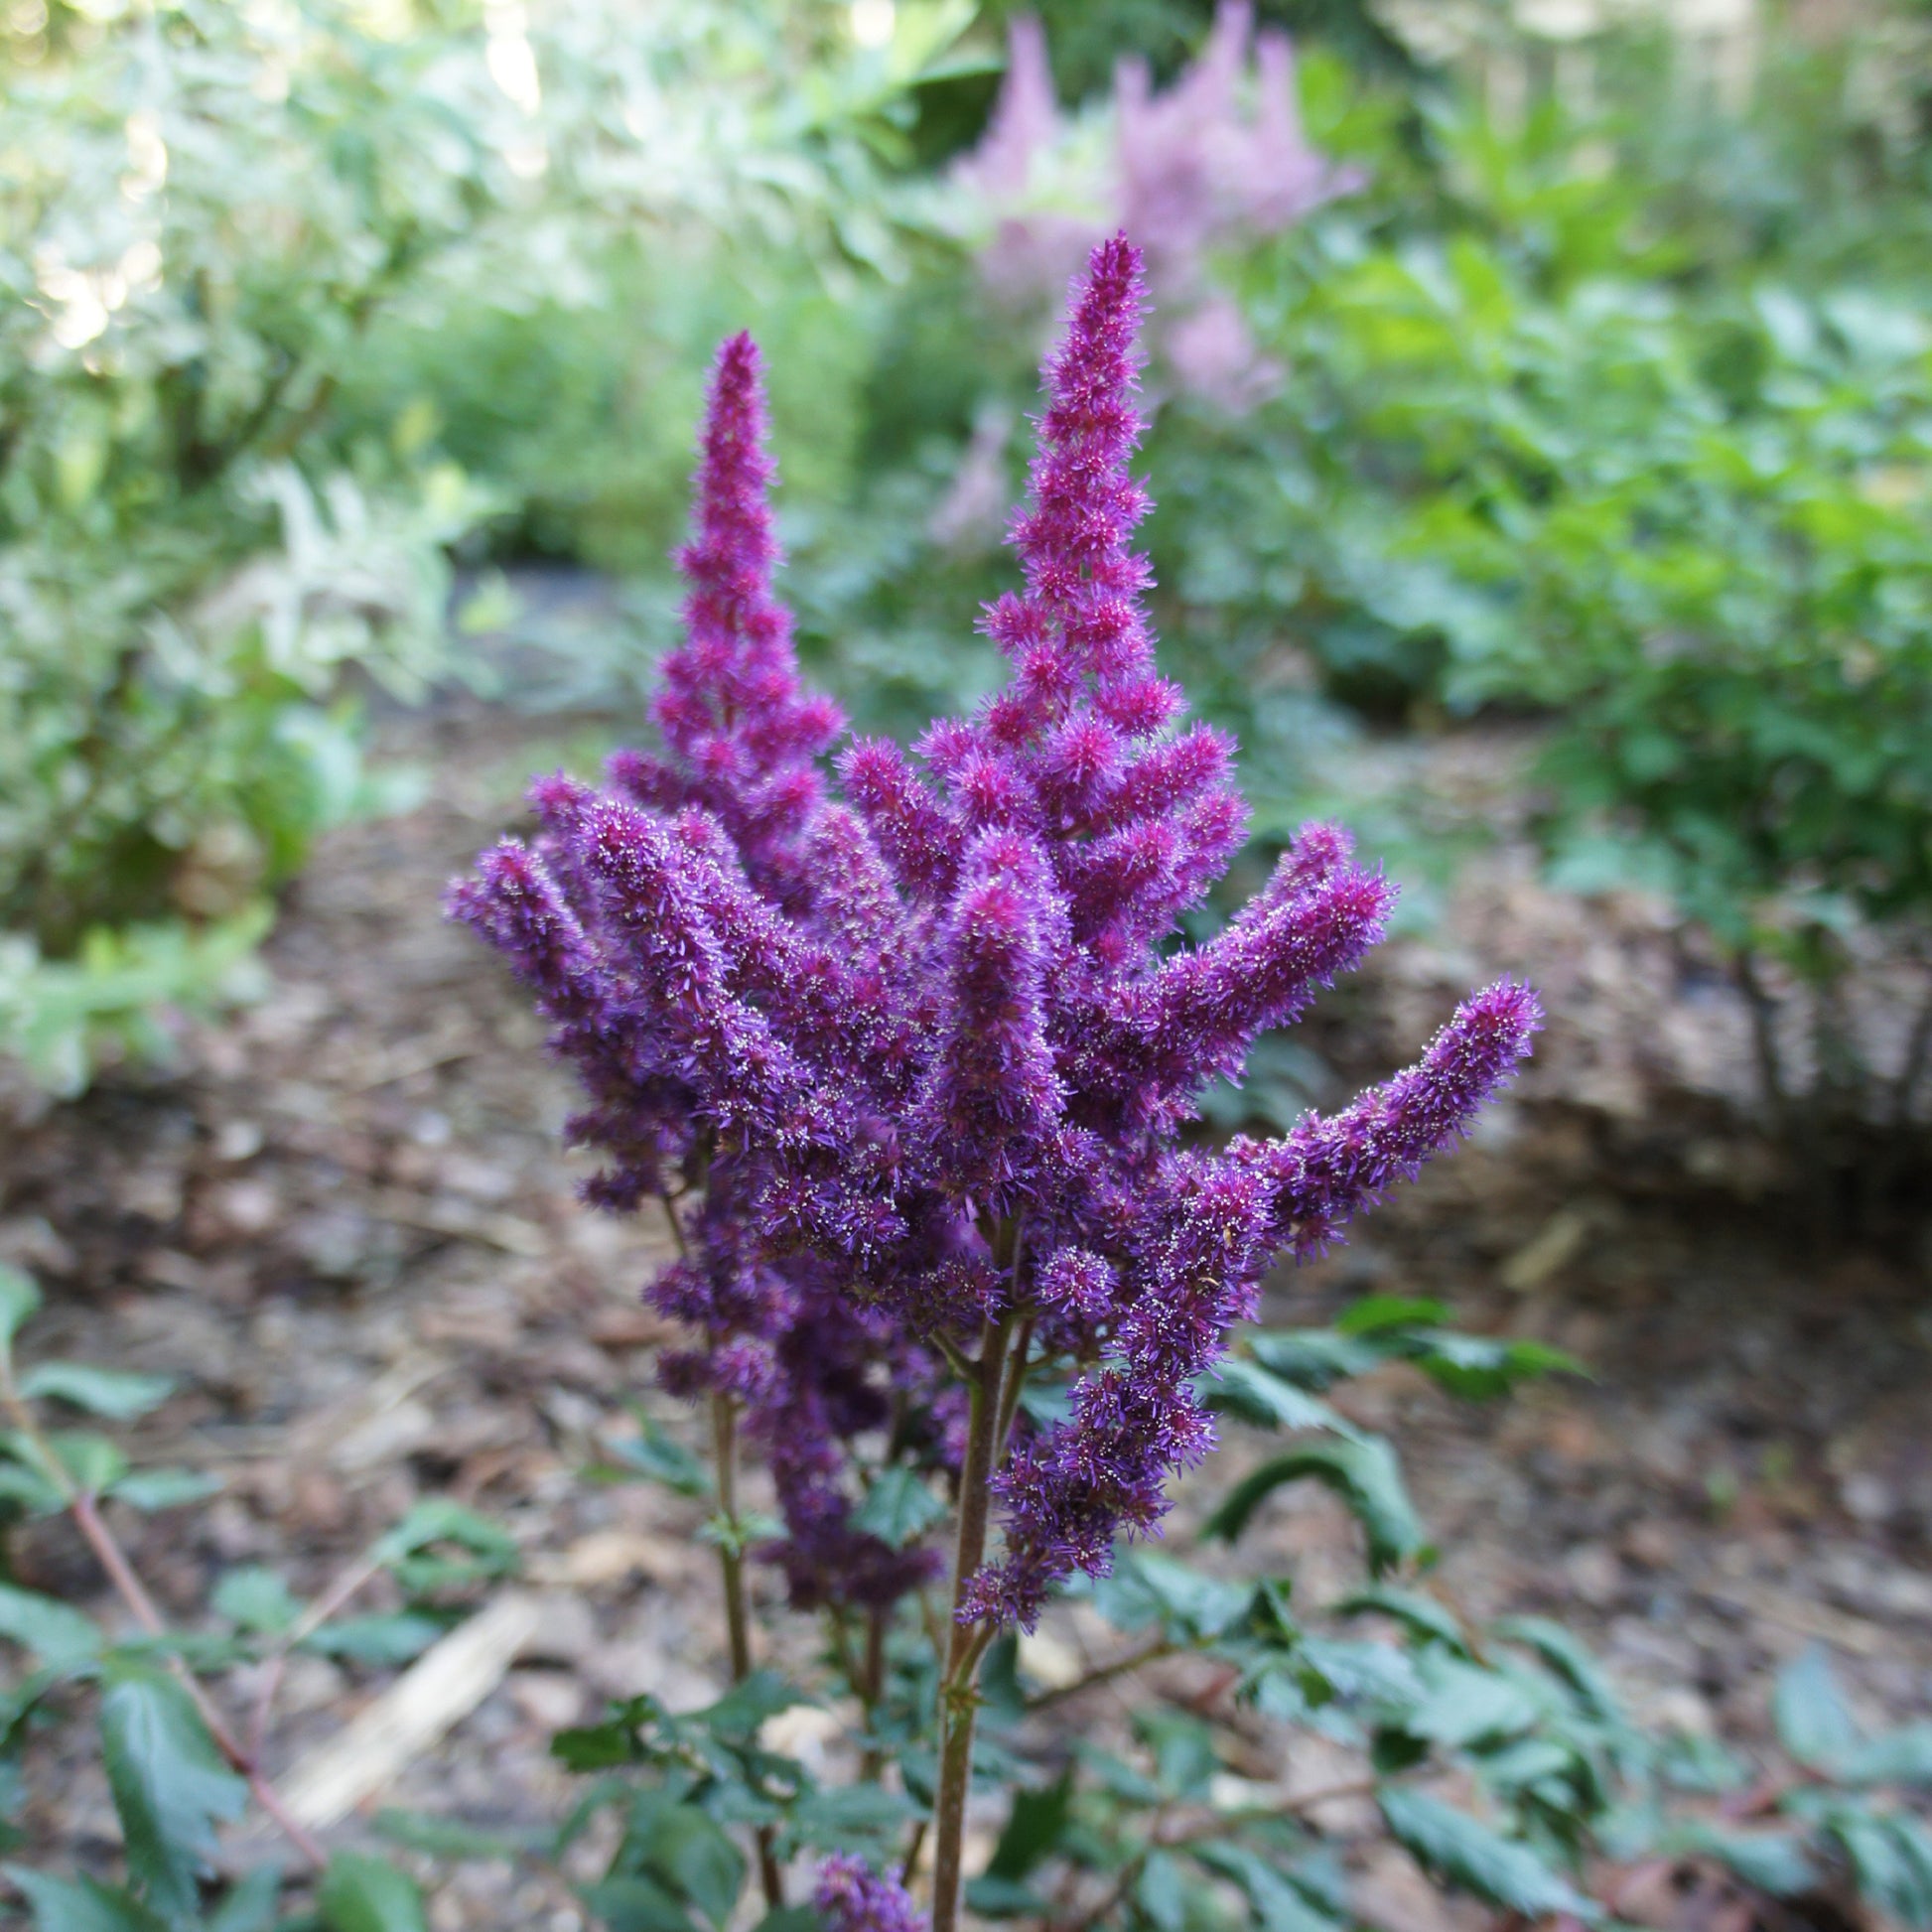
x: 928, y: 1050
x: 1217, y: 157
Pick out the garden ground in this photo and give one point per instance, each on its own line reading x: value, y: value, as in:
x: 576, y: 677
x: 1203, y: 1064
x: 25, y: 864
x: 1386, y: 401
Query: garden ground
x: 344, y: 1225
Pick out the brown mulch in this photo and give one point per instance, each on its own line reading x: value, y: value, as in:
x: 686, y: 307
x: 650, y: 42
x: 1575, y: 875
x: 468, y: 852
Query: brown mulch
x: 344, y: 1223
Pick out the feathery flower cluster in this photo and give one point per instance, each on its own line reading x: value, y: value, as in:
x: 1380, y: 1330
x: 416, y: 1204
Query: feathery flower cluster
x: 913, y: 1064
x: 1219, y: 157
x: 851, y: 1897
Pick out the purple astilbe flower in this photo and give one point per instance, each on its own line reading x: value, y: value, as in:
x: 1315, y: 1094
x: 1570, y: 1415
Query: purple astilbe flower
x: 936, y: 1048
x: 1217, y: 159
x: 852, y: 1897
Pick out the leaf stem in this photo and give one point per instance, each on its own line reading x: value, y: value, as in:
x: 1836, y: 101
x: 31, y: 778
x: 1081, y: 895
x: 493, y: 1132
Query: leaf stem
x: 85, y: 1508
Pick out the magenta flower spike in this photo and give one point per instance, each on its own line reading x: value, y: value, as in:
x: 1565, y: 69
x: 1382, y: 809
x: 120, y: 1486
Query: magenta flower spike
x: 911, y: 1068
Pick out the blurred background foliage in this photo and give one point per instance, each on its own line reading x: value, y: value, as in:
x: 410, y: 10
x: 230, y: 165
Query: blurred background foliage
x: 1557, y: 361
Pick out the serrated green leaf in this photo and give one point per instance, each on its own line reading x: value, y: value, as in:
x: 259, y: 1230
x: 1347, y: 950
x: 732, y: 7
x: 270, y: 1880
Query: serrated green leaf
x: 81, y: 1905
x: 20, y: 1299
x: 1462, y: 1852
x: 1366, y: 1475
x: 151, y: 1491
x: 169, y: 1782
x: 364, y: 1893
x: 55, y: 1632
x: 117, y: 1394
x: 256, y: 1599
x: 1814, y: 1723
x: 898, y: 1508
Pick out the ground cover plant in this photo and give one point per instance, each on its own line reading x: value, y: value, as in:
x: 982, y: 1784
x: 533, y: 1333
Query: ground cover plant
x: 225, y: 509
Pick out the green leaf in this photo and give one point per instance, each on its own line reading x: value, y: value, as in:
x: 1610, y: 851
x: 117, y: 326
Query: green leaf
x: 362, y: 1894
x: 256, y: 1599
x: 1813, y: 1721
x: 23, y: 1482
x: 250, y: 1903
x: 1312, y: 1358
x: 1364, y: 1474
x: 20, y: 1299
x: 1161, y: 1892
x: 745, y: 1707
x: 1033, y: 1829
x: 170, y: 1783
x: 81, y: 1905
x: 654, y: 1455
x: 1461, y: 1852
x: 898, y: 1508
x: 1375, y: 1315
x: 91, y: 1463
x: 379, y: 1640
x: 1773, y: 1862
x: 789, y: 1918
x: 1902, y: 1756
x: 1469, y: 1705
x: 850, y: 1818
x: 1478, y: 1368
x: 151, y: 1491
x: 114, y: 1392
x: 691, y: 1854
x: 1891, y: 1859
x: 55, y: 1632
x: 1568, y: 1656
x: 1422, y: 1616
x: 493, y: 1551
x: 636, y: 1904
x: 1188, y: 1606
x: 1257, y: 1395
x: 451, y: 1838
x: 1278, y: 1905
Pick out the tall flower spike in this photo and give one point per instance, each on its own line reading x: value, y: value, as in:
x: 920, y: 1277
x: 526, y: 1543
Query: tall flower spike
x: 742, y: 730
x: 923, y: 1061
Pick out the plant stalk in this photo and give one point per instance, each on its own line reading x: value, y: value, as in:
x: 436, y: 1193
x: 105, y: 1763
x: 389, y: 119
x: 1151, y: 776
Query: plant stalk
x: 738, y: 1626
x: 959, y: 1686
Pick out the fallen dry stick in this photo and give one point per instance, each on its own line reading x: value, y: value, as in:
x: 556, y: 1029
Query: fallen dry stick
x: 437, y: 1690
